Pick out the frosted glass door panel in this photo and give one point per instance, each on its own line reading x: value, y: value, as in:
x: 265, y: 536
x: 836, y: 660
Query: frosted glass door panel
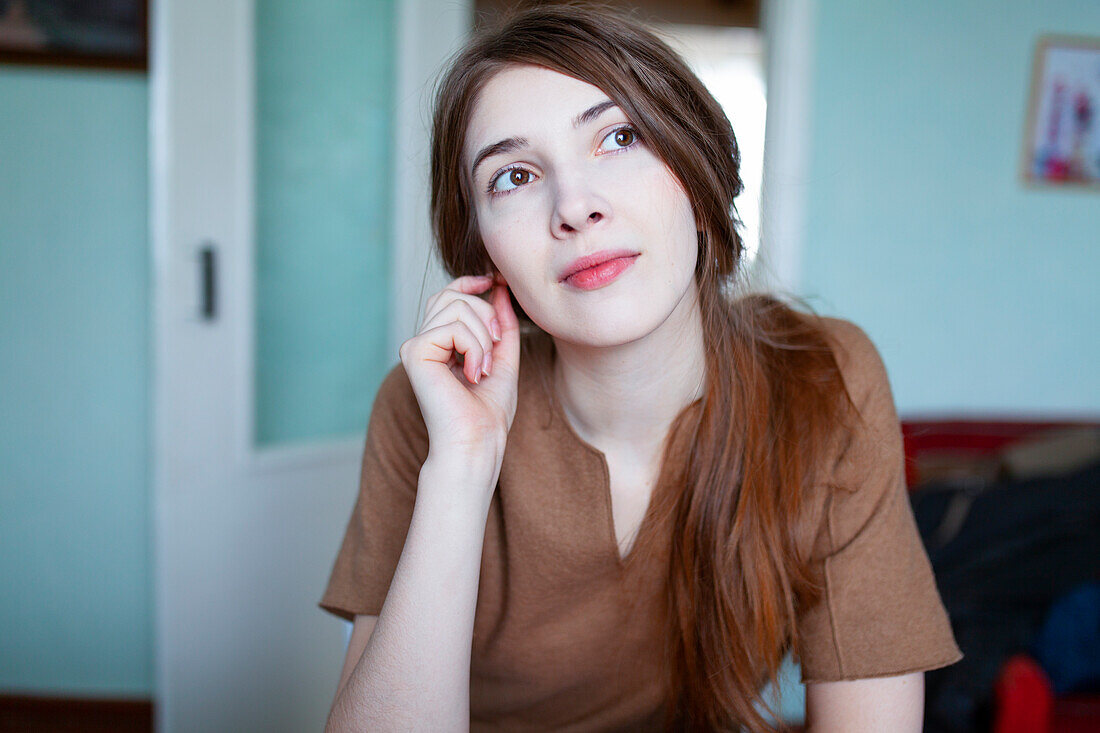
x: 324, y: 95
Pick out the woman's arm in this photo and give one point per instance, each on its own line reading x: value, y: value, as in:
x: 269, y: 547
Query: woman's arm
x: 463, y: 371
x: 360, y: 634
x: 414, y: 673
x: 873, y: 704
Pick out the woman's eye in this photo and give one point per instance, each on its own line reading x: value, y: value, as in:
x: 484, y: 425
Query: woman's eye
x: 515, y: 176
x: 512, y: 178
x: 624, y: 137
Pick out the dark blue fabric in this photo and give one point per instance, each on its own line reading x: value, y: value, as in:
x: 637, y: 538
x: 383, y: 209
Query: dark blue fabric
x: 1023, y: 545
x: 1068, y: 644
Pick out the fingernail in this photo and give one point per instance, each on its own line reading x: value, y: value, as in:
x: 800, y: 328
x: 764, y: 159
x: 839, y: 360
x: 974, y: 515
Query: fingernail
x: 477, y: 377
x: 494, y: 326
x: 488, y: 364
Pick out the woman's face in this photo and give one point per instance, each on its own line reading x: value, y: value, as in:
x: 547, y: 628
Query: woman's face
x: 573, y: 179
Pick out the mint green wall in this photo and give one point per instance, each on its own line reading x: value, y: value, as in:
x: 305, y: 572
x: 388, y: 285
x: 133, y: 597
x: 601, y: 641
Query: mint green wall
x: 75, y: 599
x: 75, y: 586
x: 981, y: 293
x: 323, y: 214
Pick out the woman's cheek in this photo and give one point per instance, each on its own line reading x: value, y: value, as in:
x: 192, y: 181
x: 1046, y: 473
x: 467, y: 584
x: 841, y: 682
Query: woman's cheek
x: 503, y: 250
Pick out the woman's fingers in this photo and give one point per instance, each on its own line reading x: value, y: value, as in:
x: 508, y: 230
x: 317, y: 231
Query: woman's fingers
x: 480, y: 309
x: 440, y: 343
x: 508, y: 324
x: 501, y: 302
x: 471, y: 283
x: 460, y: 301
x: 460, y: 310
x: 462, y: 288
x: 454, y: 292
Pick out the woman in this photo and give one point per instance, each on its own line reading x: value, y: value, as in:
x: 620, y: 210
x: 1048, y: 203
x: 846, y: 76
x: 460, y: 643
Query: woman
x: 602, y: 491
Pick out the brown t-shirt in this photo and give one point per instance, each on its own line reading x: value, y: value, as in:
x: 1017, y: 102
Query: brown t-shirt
x: 567, y: 633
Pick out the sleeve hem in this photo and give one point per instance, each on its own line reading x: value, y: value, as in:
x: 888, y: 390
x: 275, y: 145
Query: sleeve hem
x: 923, y: 667
x: 347, y: 613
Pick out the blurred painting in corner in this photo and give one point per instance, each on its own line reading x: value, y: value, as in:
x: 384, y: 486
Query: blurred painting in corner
x: 1062, y: 144
x: 110, y: 34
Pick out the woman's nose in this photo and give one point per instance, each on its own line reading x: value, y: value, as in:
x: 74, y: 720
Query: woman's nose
x: 577, y: 208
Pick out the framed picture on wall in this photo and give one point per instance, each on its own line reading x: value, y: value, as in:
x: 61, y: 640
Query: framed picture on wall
x: 109, y: 34
x: 1062, y: 141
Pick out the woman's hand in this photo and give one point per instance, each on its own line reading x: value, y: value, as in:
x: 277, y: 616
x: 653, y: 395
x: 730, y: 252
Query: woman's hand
x: 468, y: 405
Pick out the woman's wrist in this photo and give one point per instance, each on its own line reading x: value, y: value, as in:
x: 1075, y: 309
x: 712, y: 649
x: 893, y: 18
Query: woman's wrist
x: 460, y: 475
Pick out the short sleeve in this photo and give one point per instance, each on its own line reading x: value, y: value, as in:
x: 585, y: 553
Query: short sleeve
x: 881, y: 613
x: 395, y: 449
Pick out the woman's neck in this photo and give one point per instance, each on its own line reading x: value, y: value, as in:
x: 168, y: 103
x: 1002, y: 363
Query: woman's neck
x: 628, y: 395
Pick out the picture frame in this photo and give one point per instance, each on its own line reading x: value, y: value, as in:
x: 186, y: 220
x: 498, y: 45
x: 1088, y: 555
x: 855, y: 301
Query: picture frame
x: 106, y: 34
x: 1062, y: 134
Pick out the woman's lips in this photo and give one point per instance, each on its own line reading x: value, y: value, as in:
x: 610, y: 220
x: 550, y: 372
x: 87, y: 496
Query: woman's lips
x: 601, y: 274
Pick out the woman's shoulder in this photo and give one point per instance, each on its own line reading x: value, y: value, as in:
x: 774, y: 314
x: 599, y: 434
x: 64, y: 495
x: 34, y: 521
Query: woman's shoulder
x: 875, y: 435
x: 780, y: 322
x: 853, y: 347
x: 860, y: 363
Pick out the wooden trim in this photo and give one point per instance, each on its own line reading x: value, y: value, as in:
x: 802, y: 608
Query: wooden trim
x: 73, y: 60
x: 61, y: 57
x: 74, y: 715
x: 739, y: 13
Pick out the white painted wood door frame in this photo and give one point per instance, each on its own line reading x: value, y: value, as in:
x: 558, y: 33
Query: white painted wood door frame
x: 788, y: 27
x: 243, y: 537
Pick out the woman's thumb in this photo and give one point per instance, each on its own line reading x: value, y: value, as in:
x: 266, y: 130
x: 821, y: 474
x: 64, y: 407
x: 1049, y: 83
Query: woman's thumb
x: 508, y: 348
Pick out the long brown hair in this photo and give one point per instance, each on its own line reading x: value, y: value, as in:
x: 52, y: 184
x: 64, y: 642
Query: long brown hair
x: 774, y: 400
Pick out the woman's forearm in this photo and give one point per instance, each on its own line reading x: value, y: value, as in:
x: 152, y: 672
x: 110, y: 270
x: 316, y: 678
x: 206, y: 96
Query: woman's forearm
x: 415, y: 671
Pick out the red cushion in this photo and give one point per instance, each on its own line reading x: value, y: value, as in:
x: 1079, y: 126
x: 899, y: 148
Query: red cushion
x: 967, y: 436
x: 1075, y: 714
x: 1024, y: 697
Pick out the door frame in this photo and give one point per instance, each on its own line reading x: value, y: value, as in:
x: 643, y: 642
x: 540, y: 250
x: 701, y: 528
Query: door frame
x: 788, y: 27
x: 194, y: 44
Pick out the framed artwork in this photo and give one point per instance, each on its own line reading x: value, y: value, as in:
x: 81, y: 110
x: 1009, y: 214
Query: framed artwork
x: 110, y: 34
x: 1062, y: 142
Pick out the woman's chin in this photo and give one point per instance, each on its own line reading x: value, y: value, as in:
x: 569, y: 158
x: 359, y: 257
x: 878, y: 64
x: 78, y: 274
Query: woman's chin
x: 602, y: 333
x: 624, y: 317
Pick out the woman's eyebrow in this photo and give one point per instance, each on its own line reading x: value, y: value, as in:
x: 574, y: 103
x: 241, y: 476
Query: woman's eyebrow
x: 511, y: 144
x: 507, y: 145
x: 592, y: 113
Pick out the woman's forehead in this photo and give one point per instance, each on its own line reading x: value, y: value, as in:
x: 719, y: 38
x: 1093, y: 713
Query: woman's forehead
x: 522, y: 100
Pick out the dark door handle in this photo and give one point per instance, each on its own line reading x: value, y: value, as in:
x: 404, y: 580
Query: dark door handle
x: 208, y: 265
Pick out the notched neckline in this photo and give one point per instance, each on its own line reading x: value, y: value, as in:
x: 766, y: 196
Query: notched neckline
x: 611, y: 541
